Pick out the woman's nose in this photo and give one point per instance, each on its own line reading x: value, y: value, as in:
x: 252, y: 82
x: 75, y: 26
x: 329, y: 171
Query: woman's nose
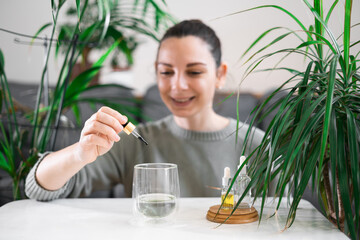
x: 179, y: 82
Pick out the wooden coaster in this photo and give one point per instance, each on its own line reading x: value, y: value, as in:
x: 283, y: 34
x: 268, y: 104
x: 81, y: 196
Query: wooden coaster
x: 241, y: 215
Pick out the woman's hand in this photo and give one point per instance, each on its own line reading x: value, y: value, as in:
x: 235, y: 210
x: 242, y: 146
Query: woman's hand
x: 97, y: 137
x: 99, y: 134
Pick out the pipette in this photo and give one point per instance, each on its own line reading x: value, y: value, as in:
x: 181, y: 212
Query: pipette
x: 130, y: 128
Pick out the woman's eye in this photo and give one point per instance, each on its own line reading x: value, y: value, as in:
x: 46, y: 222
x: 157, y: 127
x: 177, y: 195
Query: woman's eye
x: 194, y: 73
x: 166, y: 73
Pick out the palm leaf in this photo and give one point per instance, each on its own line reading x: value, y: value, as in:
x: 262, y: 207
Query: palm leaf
x: 35, y: 131
x: 7, y: 99
x: 258, y: 40
x: 81, y: 82
x: 300, y: 134
x: 343, y: 181
x: 1, y: 99
x: 303, y: 183
x: 354, y: 166
x: 328, y: 107
x: 268, y: 45
x: 315, y: 129
x: 40, y: 31
x: 275, y: 7
x: 76, y: 111
x: 347, y: 24
x: 331, y: 10
x: 318, y: 9
x: 105, y: 16
x: 323, y: 24
x: 4, y: 164
x: 334, y: 158
x: 78, y: 9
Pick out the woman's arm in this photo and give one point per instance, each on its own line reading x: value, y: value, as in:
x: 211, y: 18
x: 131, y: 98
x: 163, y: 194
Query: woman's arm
x: 97, y: 137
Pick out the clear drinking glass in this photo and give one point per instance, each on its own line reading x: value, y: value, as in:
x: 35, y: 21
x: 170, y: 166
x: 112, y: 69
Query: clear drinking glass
x: 156, y: 190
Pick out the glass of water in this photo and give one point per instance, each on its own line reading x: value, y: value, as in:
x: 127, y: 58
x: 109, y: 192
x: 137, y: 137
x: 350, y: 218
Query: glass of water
x: 156, y: 190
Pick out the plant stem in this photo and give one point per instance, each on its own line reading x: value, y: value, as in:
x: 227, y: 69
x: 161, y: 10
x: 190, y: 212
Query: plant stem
x: 35, y: 134
x: 328, y: 192
x: 71, y: 64
x: 8, y: 101
x: 16, y: 189
x: 58, y: 89
x: 340, y: 204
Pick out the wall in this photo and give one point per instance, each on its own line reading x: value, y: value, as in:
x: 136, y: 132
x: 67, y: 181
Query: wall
x: 24, y: 63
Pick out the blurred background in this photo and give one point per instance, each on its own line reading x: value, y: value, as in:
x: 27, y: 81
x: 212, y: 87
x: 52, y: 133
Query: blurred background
x: 24, y: 63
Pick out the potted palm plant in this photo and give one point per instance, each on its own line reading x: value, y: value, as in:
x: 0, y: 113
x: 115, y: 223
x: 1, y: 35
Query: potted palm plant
x: 128, y: 19
x: 44, y: 120
x: 314, y: 137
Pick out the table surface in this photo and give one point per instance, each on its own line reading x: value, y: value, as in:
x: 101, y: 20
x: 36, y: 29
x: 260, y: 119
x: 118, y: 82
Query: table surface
x: 113, y: 219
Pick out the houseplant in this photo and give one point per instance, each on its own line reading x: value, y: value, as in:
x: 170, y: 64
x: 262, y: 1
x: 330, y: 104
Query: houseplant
x: 128, y: 20
x: 314, y: 138
x: 44, y: 121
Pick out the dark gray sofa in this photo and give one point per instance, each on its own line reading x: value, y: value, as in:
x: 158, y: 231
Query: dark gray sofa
x: 151, y: 107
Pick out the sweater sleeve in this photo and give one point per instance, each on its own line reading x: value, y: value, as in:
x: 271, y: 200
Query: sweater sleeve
x: 102, y: 174
x: 33, y: 190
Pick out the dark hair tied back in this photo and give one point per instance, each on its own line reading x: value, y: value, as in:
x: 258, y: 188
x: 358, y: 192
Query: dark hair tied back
x: 198, y: 29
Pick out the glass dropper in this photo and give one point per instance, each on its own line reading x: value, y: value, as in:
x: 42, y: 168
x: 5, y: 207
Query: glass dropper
x: 130, y: 128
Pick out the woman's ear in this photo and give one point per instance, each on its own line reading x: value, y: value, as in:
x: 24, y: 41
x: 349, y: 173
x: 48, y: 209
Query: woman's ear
x: 221, y: 75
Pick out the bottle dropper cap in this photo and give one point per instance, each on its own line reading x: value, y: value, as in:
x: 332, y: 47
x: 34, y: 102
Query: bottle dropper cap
x: 242, y: 160
x: 226, y: 178
x: 129, y: 129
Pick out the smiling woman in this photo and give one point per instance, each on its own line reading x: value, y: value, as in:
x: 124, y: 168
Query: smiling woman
x: 199, y: 141
x: 187, y: 78
x: 189, y: 69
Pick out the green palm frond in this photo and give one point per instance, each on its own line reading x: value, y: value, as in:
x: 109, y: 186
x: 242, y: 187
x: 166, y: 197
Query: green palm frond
x: 149, y: 18
x: 314, y: 137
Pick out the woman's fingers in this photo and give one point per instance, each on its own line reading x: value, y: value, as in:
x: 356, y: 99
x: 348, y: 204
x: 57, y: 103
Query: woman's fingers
x: 121, y: 118
x: 95, y: 127
x: 105, y: 121
x: 100, y: 132
x: 97, y: 139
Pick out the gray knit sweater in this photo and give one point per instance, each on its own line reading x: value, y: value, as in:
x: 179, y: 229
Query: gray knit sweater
x: 200, y: 156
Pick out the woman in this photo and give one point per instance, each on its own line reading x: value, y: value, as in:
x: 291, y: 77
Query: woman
x: 199, y: 141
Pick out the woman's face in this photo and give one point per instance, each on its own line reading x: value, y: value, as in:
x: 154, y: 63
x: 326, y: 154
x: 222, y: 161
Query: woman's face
x: 187, y: 76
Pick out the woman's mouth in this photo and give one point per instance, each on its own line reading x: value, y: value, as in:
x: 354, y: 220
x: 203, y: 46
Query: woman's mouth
x: 182, y: 102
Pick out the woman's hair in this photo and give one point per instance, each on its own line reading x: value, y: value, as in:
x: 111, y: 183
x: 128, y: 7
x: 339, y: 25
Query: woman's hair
x: 198, y: 29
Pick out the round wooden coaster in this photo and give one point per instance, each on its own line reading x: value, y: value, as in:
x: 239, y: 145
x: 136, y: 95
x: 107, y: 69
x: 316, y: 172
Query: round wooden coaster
x: 241, y: 215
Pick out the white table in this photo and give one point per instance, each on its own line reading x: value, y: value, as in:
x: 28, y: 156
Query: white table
x: 106, y: 219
